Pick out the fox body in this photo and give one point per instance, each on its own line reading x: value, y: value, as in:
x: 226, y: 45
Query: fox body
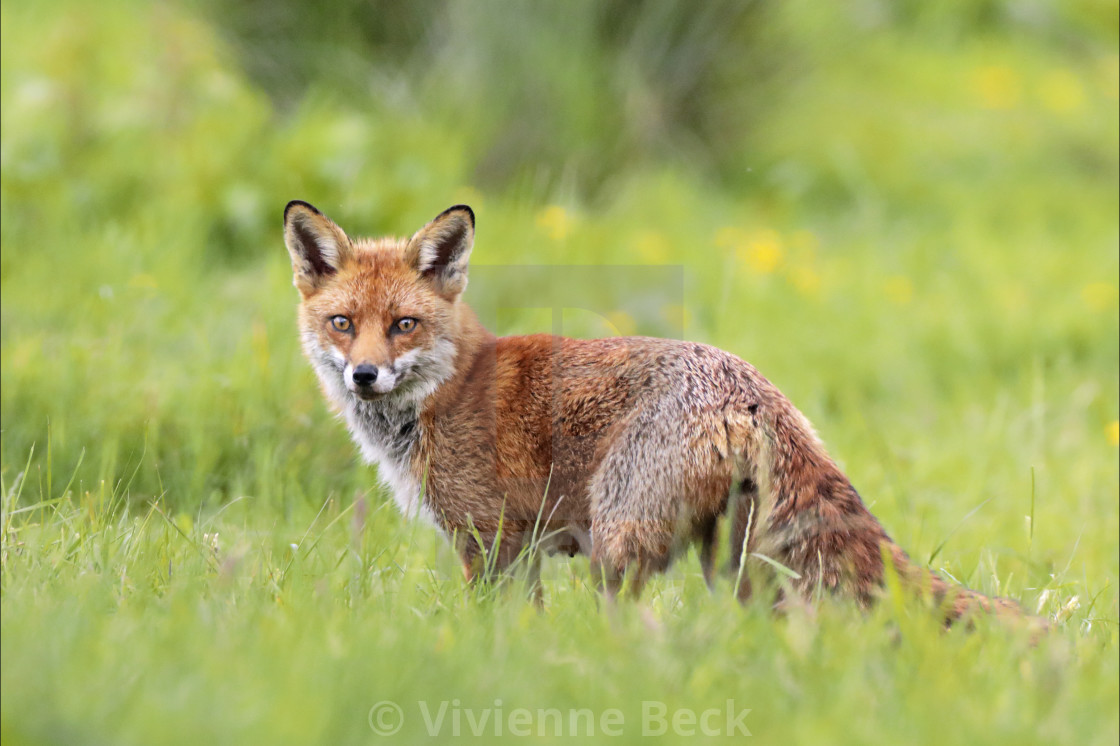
x: 626, y: 449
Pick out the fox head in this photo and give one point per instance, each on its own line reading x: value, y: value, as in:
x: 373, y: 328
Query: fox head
x: 379, y: 318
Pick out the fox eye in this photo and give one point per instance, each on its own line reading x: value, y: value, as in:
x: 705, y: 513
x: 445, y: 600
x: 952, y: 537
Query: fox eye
x: 340, y: 323
x: 405, y: 325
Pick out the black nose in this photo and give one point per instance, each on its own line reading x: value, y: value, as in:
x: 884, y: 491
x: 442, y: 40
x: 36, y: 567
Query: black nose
x: 365, y: 374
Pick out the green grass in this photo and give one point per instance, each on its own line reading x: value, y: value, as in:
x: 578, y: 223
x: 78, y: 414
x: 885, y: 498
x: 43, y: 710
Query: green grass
x: 915, y: 238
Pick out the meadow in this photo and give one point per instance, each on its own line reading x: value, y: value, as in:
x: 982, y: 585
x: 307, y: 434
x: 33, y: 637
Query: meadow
x: 905, y: 217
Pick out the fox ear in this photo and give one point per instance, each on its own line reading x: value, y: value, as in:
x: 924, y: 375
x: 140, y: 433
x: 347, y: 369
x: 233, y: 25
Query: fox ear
x: 440, y: 250
x: 318, y: 247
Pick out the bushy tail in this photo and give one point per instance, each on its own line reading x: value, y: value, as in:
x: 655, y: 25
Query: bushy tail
x: 955, y: 601
x: 802, y: 512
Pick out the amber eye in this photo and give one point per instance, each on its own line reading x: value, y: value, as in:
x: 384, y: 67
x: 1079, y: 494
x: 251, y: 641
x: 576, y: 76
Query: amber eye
x: 340, y: 323
x: 405, y: 325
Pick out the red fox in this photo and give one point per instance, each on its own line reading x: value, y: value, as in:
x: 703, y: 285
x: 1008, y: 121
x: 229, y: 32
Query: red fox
x: 626, y: 449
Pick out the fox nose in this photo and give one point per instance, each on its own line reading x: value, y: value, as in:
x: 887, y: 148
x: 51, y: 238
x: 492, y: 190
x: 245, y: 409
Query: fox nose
x: 365, y: 374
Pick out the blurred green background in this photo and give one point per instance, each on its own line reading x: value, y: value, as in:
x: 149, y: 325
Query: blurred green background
x: 903, y: 213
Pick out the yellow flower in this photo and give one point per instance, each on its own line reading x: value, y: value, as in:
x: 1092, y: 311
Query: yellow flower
x: 556, y: 221
x: 1100, y: 296
x: 1061, y: 91
x: 1113, y: 431
x: 762, y: 251
x: 652, y: 247
x: 997, y: 86
x: 899, y: 289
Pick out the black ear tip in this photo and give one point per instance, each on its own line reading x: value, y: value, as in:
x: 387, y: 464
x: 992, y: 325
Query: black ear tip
x: 299, y: 203
x: 458, y: 208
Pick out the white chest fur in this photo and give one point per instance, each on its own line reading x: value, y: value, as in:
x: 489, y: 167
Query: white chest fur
x: 387, y: 436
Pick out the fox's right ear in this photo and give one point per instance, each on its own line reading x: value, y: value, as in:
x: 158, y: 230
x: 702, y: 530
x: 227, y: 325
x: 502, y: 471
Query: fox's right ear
x: 318, y: 247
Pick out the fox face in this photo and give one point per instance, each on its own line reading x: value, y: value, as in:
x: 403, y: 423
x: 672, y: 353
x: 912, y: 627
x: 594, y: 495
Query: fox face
x: 379, y: 318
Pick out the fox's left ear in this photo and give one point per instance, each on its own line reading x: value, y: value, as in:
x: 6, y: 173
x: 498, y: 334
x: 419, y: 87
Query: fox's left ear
x: 440, y: 250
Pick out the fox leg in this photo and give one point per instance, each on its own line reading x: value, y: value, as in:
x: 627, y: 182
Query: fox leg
x: 706, y: 534
x: 629, y: 546
x: 652, y: 495
x: 607, y: 578
x: 487, y: 552
x: 625, y: 563
x: 628, y: 540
